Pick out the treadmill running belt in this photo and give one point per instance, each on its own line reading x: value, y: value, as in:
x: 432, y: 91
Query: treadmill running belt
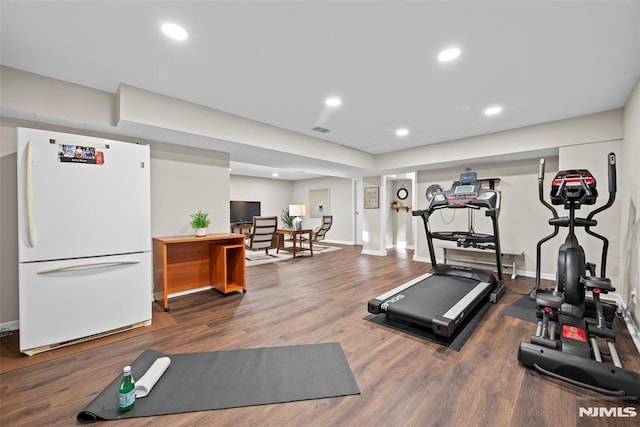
x: 454, y: 342
x: 438, y: 296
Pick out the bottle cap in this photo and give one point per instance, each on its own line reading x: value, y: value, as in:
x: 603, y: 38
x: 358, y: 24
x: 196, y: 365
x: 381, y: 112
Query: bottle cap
x: 127, y: 369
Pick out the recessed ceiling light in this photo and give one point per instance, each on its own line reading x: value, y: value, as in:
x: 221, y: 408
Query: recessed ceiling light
x: 492, y: 111
x: 449, y: 54
x: 402, y: 132
x: 333, y: 101
x: 274, y: 174
x: 174, y: 31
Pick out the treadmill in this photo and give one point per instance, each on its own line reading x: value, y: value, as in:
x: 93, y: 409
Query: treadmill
x: 443, y: 298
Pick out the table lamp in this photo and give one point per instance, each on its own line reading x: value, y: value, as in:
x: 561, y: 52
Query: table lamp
x: 297, y: 211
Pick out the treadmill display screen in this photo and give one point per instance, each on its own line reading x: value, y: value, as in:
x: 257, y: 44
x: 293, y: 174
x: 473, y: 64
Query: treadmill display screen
x: 465, y: 189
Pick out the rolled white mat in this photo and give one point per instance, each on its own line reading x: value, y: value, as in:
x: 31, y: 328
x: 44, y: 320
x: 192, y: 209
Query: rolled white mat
x: 151, y: 377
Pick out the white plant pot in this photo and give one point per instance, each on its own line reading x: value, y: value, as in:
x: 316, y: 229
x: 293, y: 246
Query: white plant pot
x: 201, y: 232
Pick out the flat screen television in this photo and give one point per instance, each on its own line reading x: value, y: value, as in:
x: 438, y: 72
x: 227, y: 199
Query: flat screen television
x: 243, y: 212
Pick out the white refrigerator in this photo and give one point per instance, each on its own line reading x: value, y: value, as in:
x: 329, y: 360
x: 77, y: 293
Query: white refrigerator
x: 84, y: 238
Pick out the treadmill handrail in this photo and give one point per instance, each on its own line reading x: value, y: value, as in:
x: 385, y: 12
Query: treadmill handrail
x: 488, y: 199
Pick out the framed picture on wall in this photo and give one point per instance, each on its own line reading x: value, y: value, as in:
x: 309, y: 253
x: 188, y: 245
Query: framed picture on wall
x: 371, y: 198
x: 319, y: 203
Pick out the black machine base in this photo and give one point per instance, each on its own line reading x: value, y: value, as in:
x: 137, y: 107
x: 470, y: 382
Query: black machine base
x: 440, y: 300
x: 588, y: 373
x: 446, y: 296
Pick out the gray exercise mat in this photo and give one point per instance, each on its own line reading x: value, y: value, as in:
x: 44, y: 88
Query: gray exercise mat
x: 524, y: 308
x: 234, y: 378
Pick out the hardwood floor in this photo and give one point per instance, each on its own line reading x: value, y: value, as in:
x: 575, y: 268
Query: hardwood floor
x: 404, y: 381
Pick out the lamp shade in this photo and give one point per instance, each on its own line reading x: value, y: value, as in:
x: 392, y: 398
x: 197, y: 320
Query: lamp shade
x: 297, y: 210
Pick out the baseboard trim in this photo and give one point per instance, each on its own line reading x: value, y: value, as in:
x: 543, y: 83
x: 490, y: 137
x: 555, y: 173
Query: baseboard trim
x: 376, y: 253
x: 545, y: 276
x: 420, y: 259
x: 13, y: 325
x: 189, y: 291
x: 628, y: 320
x: 36, y: 350
x: 337, y: 242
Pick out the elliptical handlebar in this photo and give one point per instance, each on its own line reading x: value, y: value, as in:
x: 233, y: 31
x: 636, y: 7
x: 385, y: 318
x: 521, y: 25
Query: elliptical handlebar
x: 612, y: 173
x: 611, y: 163
x: 541, y: 190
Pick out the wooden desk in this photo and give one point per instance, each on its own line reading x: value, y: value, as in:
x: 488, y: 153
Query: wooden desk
x: 184, y: 263
x: 295, y: 235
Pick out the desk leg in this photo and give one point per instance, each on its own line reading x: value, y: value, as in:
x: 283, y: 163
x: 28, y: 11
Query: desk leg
x: 160, y: 274
x: 310, y: 243
x: 294, y: 235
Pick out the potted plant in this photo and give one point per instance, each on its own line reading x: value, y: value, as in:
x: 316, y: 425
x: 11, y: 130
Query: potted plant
x: 286, y: 219
x: 199, y: 222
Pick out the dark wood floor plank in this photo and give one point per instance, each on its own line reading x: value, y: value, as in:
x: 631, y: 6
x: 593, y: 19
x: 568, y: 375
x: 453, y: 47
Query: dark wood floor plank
x: 404, y: 380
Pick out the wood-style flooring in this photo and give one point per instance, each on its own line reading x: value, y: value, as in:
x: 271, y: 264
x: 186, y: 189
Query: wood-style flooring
x: 404, y: 381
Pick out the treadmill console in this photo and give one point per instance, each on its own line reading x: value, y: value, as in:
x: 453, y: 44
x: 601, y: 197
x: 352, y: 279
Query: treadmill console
x: 460, y: 195
x: 464, y: 193
x: 575, y: 186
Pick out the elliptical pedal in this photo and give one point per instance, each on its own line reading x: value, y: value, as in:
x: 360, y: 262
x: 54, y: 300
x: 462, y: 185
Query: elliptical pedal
x: 597, y: 284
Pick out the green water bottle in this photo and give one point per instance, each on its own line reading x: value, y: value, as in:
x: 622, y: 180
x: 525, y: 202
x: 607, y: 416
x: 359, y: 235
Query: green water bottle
x: 127, y: 391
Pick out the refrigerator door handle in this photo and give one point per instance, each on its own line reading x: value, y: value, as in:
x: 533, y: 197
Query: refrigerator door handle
x: 29, y: 195
x: 87, y: 264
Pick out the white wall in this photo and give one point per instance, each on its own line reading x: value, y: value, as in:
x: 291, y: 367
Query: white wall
x: 274, y: 195
x: 629, y: 188
x: 139, y: 107
x: 341, y: 201
x: 514, y: 143
x: 38, y: 98
x: 593, y: 157
x: 400, y: 222
x: 522, y: 220
x: 184, y: 181
x: 374, y: 238
x: 8, y: 225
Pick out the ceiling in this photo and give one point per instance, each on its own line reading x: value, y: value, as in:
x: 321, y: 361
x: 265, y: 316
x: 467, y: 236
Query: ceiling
x: 277, y: 61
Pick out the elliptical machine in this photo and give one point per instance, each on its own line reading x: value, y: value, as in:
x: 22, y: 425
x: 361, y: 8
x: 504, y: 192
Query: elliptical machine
x: 569, y: 345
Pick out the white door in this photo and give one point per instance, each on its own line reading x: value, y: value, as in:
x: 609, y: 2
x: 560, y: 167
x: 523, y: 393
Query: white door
x: 66, y: 300
x: 80, y: 196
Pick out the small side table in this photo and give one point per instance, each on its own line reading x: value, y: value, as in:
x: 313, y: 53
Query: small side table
x: 296, y: 236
